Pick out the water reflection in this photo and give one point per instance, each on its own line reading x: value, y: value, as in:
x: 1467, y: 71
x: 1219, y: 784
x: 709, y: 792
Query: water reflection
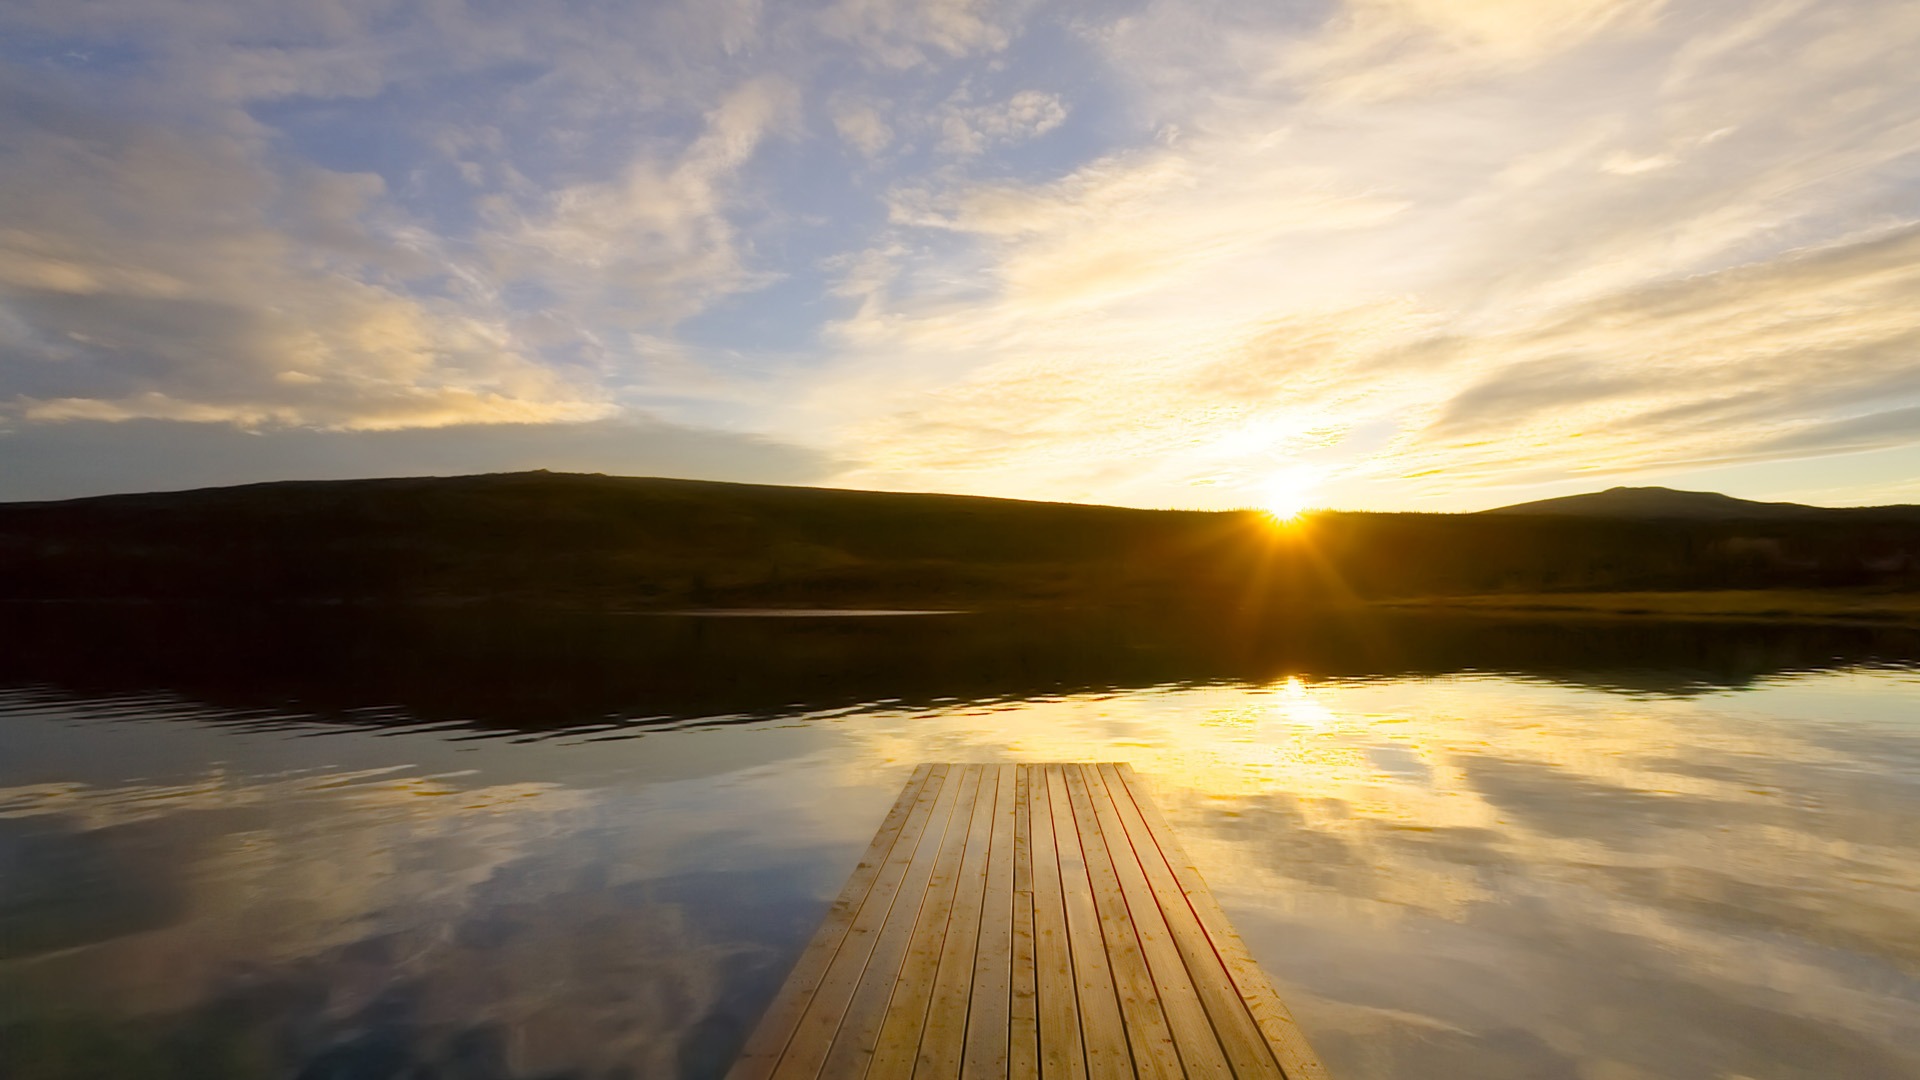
x: 376, y: 922
x: 530, y: 671
x: 248, y: 861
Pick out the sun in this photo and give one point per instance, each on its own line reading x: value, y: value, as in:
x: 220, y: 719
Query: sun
x: 1287, y: 493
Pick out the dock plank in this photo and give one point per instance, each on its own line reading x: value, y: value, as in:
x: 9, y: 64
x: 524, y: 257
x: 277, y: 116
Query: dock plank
x: 906, y: 1018
x: 769, y: 1041
x: 1201, y: 1055
x: 1240, y: 1038
x: 1026, y: 922
x: 1062, y: 1052
x: 1103, y: 1029
x: 1148, y: 1036
x: 1297, y: 1059
x: 944, y: 1040
x: 989, y: 1011
x: 907, y: 871
x: 1023, y: 1019
x: 812, y: 988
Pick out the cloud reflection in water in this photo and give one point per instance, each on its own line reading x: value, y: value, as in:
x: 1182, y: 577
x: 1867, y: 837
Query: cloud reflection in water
x: 1454, y: 876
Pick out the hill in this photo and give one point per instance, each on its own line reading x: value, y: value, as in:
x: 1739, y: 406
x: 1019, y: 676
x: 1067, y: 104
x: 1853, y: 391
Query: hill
x: 641, y: 543
x: 1670, y: 504
x: 1659, y: 502
x: 633, y: 541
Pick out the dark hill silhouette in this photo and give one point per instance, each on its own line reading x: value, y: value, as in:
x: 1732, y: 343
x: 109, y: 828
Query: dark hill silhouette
x: 1658, y: 502
x: 1670, y: 503
x: 626, y: 542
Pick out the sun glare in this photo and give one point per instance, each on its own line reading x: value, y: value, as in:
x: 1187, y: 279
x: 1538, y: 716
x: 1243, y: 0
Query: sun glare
x: 1288, y: 493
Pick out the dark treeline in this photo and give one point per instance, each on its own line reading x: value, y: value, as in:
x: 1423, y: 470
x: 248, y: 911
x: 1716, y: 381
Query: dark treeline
x: 647, y: 543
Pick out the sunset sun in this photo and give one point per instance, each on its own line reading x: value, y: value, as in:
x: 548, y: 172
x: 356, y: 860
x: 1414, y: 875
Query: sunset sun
x: 1287, y: 494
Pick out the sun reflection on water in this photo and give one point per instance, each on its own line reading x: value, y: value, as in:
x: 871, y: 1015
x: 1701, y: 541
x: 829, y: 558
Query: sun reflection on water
x: 1440, y: 871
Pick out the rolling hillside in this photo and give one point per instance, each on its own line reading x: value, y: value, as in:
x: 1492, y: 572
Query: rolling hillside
x: 591, y: 540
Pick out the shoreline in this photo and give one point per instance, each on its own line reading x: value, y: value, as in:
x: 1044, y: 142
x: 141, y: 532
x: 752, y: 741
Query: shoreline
x: 1706, y: 605
x: 1718, y: 605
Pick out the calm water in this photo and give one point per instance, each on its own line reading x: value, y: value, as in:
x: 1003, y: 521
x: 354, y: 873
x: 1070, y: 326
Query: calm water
x: 481, y: 845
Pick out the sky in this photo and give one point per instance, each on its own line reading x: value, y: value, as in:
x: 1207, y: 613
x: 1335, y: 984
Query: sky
x: 1367, y: 254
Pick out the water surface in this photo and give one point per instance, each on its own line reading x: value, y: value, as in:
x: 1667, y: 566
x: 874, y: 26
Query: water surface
x: 479, y: 845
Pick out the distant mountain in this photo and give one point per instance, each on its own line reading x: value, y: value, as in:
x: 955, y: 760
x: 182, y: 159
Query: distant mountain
x: 1661, y: 502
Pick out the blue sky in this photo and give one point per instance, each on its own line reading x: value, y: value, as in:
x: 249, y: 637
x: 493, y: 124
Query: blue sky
x: 1397, y: 254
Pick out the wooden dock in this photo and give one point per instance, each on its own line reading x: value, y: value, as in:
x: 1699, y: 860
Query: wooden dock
x: 1025, y: 921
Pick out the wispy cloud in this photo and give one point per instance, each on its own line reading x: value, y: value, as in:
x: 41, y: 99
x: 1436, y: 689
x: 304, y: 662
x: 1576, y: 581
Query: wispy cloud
x: 905, y: 33
x: 162, y: 274
x: 1152, y: 252
x: 657, y: 243
x: 972, y: 129
x: 862, y: 127
x: 1646, y: 255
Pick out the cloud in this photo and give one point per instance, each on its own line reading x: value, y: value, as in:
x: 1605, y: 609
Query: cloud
x: 1508, y: 27
x: 1029, y: 114
x: 907, y: 33
x: 352, y: 217
x: 1379, y: 50
x: 84, y: 457
x: 1565, y: 238
x: 1871, y: 431
x: 658, y: 243
x: 385, y: 900
x: 1188, y: 214
x: 1782, y: 359
x: 862, y: 127
x: 149, y: 272
x: 1793, y: 356
x: 1647, y: 255
x: 195, y: 52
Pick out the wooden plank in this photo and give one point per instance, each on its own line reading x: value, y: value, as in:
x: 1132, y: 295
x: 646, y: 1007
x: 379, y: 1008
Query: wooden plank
x: 1026, y: 923
x: 821, y: 1025
x: 1023, y: 1026
x: 1297, y: 1059
x: 1245, y: 1046
x: 989, y: 1011
x: 770, y: 1037
x: 1180, y: 978
x: 906, y: 1015
x: 944, y: 1040
x: 769, y: 1040
x: 1148, y: 1034
x: 853, y: 1045
x: 1103, y: 1028
x: 1062, y: 1053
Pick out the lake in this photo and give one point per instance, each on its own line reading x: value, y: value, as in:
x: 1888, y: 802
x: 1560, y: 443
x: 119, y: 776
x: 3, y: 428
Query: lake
x: 481, y: 843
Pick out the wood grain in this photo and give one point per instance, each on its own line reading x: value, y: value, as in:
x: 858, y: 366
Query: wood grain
x: 1026, y: 922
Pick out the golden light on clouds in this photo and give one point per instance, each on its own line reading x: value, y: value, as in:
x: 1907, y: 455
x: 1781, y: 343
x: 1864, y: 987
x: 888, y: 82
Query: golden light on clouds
x: 1137, y: 255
